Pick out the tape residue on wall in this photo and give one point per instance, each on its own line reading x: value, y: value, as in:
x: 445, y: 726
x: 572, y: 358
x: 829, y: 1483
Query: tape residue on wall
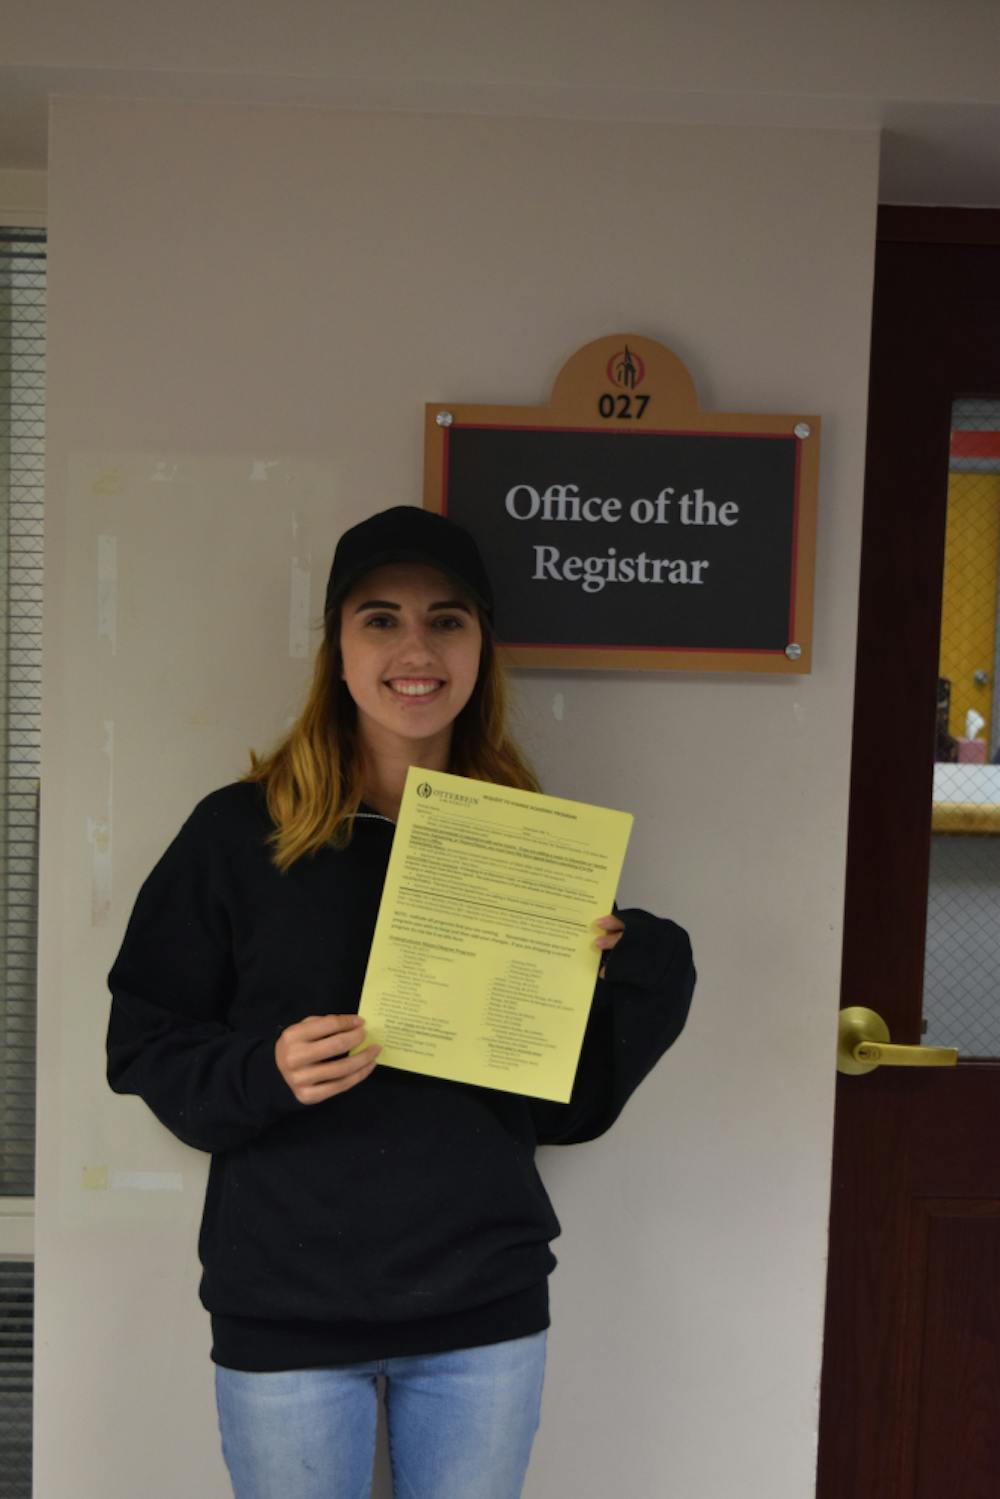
x: 99, y: 838
x: 106, y: 1179
x: 107, y: 590
x: 299, y: 644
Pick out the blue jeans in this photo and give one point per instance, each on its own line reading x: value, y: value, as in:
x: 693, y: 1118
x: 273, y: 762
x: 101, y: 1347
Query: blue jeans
x: 460, y: 1425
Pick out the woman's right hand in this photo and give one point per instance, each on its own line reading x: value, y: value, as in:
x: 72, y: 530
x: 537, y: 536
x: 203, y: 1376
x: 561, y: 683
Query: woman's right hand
x: 312, y: 1056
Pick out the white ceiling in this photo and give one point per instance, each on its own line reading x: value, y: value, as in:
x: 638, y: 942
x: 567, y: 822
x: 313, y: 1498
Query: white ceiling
x: 926, y: 72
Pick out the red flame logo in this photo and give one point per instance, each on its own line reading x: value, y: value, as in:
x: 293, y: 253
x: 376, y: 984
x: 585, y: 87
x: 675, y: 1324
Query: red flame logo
x: 626, y: 369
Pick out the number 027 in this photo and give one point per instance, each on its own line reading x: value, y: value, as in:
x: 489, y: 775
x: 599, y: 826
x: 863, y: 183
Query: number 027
x: 621, y: 407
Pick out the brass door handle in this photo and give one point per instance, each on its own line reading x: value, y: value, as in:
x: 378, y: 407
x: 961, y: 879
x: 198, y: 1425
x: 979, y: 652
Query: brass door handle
x: 863, y: 1044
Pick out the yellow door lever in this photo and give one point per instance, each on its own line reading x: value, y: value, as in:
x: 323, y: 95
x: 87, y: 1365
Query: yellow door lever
x: 863, y: 1044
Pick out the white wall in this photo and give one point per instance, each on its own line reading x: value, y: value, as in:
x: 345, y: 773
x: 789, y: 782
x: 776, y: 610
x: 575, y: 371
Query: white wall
x: 899, y: 49
x: 923, y: 71
x: 230, y: 284
x: 22, y: 198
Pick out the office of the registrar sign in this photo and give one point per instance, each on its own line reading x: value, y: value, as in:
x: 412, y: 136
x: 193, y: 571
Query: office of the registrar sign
x: 628, y: 528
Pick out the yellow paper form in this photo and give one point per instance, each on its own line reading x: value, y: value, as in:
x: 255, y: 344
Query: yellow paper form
x: 482, y: 968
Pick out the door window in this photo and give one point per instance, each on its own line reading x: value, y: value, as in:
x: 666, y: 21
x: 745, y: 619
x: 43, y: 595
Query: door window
x: 962, y: 961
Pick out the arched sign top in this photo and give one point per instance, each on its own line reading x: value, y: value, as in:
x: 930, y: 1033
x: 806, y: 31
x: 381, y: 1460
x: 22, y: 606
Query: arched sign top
x: 626, y: 528
x: 628, y: 374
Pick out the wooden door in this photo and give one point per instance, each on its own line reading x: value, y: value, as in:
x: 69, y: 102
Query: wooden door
x: 910, y: 1404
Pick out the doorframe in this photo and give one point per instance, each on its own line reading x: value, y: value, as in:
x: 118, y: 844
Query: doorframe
x: 889, y: 824
x: 900, y: 1135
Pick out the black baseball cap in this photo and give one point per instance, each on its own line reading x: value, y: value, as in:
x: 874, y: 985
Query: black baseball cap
x: 407, y: 534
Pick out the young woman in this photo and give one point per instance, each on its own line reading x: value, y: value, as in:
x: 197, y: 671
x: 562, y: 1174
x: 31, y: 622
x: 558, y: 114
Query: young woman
x: 363, y: 1220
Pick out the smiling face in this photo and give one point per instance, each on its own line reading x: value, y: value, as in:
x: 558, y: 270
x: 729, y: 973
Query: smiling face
x: 410, y: 644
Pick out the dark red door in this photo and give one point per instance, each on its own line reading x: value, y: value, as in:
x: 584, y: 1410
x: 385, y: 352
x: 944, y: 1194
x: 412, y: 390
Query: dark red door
x: 911, y: 1377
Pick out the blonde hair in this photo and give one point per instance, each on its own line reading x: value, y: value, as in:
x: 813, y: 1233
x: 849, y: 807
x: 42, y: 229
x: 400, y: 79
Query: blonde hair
x: 314, y: 778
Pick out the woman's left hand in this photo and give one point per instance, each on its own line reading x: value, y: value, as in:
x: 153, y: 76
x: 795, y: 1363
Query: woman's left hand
x: 610, y: 929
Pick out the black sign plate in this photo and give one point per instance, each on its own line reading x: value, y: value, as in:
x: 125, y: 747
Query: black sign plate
x: 597, y: 538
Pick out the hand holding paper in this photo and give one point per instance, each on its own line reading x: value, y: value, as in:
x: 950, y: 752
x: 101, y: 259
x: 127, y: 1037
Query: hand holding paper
x: 321, y: 1056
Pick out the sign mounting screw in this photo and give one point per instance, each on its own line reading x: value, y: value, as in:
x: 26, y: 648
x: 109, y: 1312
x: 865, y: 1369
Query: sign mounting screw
x: 793, y: 651
x: 803, y: 430
x: 444, y: 418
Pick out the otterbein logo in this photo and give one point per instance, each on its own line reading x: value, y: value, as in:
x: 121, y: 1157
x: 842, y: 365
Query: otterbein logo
x: 424, y: 789
x: 626, y: 369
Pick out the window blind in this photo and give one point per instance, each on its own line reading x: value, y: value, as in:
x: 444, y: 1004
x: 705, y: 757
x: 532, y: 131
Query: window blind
x: 22, y: 474
x: 16, y: 1319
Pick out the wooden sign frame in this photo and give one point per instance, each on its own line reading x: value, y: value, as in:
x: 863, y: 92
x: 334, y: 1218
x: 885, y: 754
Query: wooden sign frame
x: 636, y: 387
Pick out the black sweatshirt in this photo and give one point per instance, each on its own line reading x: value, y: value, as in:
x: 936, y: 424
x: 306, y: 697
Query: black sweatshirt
x: 405, y: 1215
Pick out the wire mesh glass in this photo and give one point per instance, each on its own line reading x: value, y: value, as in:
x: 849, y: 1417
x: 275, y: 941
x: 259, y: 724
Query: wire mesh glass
x: 962, y: 963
